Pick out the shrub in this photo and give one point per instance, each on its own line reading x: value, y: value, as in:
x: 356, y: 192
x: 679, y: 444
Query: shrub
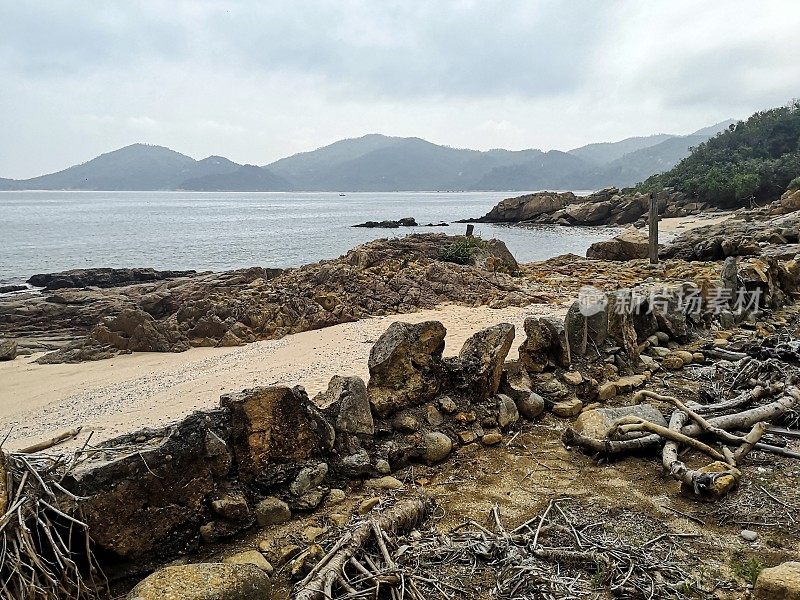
x: 462, y: 250
x: 794, y: 184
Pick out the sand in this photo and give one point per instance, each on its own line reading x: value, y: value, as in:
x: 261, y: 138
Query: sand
x: 676, y: 225
x: 144, y: 389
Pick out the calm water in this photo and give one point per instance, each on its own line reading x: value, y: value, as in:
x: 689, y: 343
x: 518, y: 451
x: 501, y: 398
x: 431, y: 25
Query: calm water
x: 54, y: 231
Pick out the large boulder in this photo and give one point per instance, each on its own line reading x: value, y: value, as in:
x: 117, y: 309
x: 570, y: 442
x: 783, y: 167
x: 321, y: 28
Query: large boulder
x: 346, y: 404
x: 778, y: 583
x: 405, y: 367
x: 275, y: 426
x: 8, y: 350
x: 527, y: 207
x: 576, y: 329
x: 587, y: 213
x: 479, y: 365
x: 546, y: 344
x: 630, y: 245
x: 790, y: 200
x: 205, y: 581
x: 149, y: 492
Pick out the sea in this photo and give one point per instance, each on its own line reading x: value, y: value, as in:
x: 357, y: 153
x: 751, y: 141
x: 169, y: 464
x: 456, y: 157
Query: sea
x: 49, y: 231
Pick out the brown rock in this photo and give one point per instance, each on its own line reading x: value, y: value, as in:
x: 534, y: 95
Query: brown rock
x: 204, y: 581
x: 781, y: 582
x: 480, y: 361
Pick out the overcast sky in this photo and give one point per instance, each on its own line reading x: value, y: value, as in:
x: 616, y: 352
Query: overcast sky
x: 255, y: 80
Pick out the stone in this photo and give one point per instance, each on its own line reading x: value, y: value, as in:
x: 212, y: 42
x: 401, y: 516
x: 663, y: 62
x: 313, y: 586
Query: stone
x: 724, y: 478
x: 405, y: 423
x: 309, y: 500
x: 367, y: 505
x: 534, y: 352
x: 596, y: 423
x: 355, y: 465
x: 527, y: 207
x: 382, y: 466
x: 607, y: 390
x: 567, y: 408
x: 748, y: 535
x: 346, y: 404
x: 684, y: 355
x: 335, y: 496
x: 663, y: 337
x: 272, y: 511
x: 385, y: 483
x: 137, y: 331
x: 531, y: 406
x: 204, y: 581
x: 467, y: 437
x: 492, y: 439
x: 575, y: 325
x: 629, y: 383
x: 405, y: 366
x: 559, y: 344
x: 586, y: 213
x: 250, y: 557
x: 275, y: 426
x: 672, y: 362
x: 308, y: 478
x: 631, y: 245
x: 660, y: 351
x: 433, y: 416
x: 232, y: 506
x: 507, y: 412
x: 572, y: 377
x: 287, y: 553
x: 698, y: 357
x: 339, y: 519
x: 437, y: 447
x: 620, y: 323
x: 447, y: 405
x: 311, y: 533
x: 778, y: 583
x: 729, y: 278
x: 214, y: 531
x: 8, y: 350
x: 479, y: 365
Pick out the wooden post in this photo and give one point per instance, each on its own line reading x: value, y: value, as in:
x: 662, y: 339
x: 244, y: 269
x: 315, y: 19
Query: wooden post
x: 470, y: 229
x: 653, y: 230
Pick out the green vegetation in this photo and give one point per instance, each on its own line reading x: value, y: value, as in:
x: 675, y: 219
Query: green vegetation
x: 794, y: 184
x: 756, y: 158
x: 461, y: 251
x: 747, y: 569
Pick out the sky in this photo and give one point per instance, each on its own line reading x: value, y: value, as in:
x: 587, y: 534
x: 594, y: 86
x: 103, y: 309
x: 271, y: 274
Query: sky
x: 256, y: 80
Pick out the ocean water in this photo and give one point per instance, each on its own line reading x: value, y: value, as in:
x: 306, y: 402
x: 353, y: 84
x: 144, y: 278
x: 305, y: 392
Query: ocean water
x: 54, y: 231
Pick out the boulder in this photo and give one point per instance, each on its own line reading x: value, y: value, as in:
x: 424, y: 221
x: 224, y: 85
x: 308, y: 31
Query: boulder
x: 595, y: 423
x: 346, y: 404
x: 587, y: 213
x: 620, y: 323
x: 559, y: 344
x: 479, y: 365
x: 630, y: 245
x: 102, y: 277
x: 8, y: 350
x: 205, y: 581
x: 272, y: 511
x: 790, y: 200
x: 273, y: 426
x: 507, y: 412
x: 527, y: 207
x: 437, y: 447
x: 150, y: 497
x: 534, y: 352
x: 778, y: 583
x: 576, y: 329
x: 405, y: 366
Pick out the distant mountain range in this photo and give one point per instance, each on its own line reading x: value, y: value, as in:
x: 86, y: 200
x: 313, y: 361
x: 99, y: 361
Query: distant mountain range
x: 380, y: 163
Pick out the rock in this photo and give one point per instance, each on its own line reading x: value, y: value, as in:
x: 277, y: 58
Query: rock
x: 631, y: 245
x: 148, y: 496
x: 672, y: 362
x: 790, y: 200
x: 531, y: 406
x: 437, y: 447
x: 272, y: 511
x: 356, y: 465
x: 492, y: 439
x: 447, y: 405
x: 559, y: 344
x: 620, y: 323
x: 748, y: 536
x: 480, y: 362
x: 8, y: 350
x: 217, y: 530
x: 467, y: 437
x: 698, y: 357
x: 494, y: 256
x: 404, y: 366
x: 596, y: 423
x: 629, y: 382
x: 137, y: 331
x: 250, y: 557
x: 385, y: 483
x: 310, y: 500
x: 607, y: 391
x: 572, y: 377
x: 567, y: 408
x: 405, y: 423
x: 367, y: 505
x: 311, y: 533
x: 232, y: 506
x: 287, y: 553
x: 308, y: 478
x: 274, y: 426
x: 382, y: 466
x: 507, y: 413
x: 525, y: 208
x: 686, y: 356
x: 575, y: 326
x: 433, y: 416
x: 406, y: 222
x: 102, y: 277
x: 346, y: 405
x: 339, y: 519
x: 204, y: 581
x: 778, y: 583
x: 587, y: 213
x: 725, y: 479
x: 335, y: 496
x: 534, y: 352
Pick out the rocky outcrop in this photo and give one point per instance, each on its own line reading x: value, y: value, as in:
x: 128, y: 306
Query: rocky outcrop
x: 631, y: 245
x: 102, y: 277
x: 224, y: 309
x: 8, y: 350
x: 205, y: 581
x: 406, y: 222
x: 525, y: 208
x: 405, y: 366
x: 479, y: 365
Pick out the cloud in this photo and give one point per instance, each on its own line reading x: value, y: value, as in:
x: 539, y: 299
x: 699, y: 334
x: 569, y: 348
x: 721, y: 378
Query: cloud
x: 255, y: 80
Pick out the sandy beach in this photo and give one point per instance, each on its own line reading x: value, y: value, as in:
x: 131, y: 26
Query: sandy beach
x: 119, y: 395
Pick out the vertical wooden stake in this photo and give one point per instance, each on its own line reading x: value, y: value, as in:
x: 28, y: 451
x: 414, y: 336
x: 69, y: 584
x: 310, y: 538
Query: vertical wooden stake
x: 470, y: 229
x: 653, y: 230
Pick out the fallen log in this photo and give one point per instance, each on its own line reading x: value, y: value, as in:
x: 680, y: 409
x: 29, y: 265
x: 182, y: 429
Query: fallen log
x: 54, y: 441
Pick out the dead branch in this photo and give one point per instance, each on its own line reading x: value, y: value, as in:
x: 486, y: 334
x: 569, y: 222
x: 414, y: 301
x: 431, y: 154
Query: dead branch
x: 54, y: 441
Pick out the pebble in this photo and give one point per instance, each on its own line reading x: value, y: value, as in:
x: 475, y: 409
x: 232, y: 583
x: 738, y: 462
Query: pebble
x: 573, y: 377
x: 748, y: 536
x: 310, y: 534
x: 250, y: 557
x: 367, y: 505
x: 335, y: 496
x: 385, y: 483
x: 383, y: 467
x: 567, y: 408
x: 492, y: 439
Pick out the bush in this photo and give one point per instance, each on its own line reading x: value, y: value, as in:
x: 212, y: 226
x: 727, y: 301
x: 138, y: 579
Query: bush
x: 794, y: 184
x: 462, y: 250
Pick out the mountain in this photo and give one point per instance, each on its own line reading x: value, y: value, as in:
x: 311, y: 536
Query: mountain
x: 376, y: 163
x: 247, y: 178
x: 754, y: 159
x: 141, y: 167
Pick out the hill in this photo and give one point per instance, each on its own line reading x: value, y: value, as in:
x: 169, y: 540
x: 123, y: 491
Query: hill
x: 605, y: 152
x: 247, y: 178
x: 753, y: 159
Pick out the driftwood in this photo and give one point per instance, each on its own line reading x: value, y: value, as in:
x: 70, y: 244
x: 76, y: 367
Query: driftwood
x: 330, y: 571
x: 55, y: 441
